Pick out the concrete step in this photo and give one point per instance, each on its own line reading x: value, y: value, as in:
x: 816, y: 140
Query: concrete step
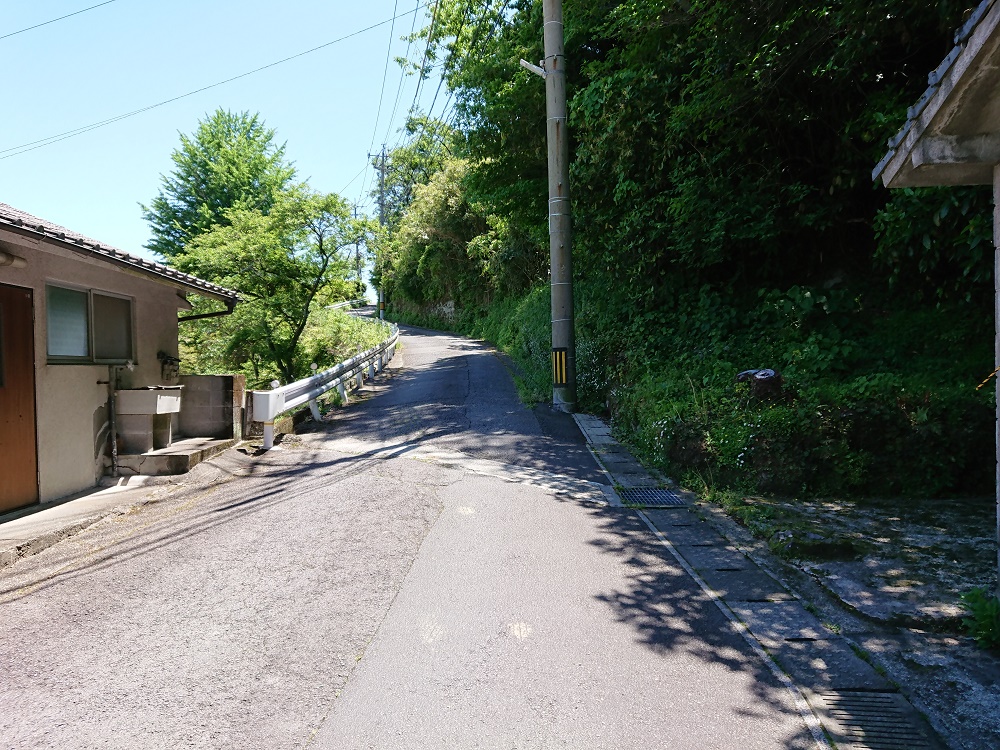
x: 179, y: 458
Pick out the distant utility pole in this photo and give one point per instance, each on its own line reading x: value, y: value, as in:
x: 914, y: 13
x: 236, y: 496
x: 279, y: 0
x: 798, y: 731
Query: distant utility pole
x: 358, y: 265
x: 553, y: 70
x: 381, y: 219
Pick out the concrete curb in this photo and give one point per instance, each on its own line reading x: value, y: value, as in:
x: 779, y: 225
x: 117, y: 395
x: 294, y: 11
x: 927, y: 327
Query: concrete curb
x: 29, y: 531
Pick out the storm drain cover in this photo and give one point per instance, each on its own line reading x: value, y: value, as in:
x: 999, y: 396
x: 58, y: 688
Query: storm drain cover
x: 871, y: 721
x: 650, y: 497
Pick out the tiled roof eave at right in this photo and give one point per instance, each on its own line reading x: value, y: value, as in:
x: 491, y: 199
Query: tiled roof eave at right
x: 934, y: 79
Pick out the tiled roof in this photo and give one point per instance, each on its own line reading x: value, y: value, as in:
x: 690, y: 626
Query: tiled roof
x: 934, y: 80
x: 13, y: 217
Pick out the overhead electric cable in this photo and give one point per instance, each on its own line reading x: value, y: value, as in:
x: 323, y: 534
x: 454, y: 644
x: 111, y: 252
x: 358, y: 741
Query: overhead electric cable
x: 341, y: 192
x: 32, y: 145
x: 402, y: 77
x: 46, y: 23
x: 430, y: 111
x: 381, y: 94
x: 444, y: 67
x: 423, y: 62
x: 476, y: 36
x: 385, y: 71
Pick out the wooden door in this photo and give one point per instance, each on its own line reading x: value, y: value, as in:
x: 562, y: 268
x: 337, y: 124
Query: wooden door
x: 18, y: 457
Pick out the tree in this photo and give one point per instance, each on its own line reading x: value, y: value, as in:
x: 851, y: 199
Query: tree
x: 285, y: 264
x: 428, y: 144
x: 447, y: 248
x: 359, y: 256
x: 231, y: 160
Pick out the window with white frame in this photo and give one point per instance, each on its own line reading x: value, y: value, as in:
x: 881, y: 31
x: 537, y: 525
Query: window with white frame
x: 85, y: 325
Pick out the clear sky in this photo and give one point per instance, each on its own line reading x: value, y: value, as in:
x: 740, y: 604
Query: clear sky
x: 129, y: 54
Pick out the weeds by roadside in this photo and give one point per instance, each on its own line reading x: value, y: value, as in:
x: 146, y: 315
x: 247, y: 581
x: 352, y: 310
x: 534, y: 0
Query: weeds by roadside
x: 983, y: 622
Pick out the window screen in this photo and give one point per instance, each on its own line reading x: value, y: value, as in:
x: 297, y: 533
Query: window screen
x: 112, y: 328
x: 68, y: 334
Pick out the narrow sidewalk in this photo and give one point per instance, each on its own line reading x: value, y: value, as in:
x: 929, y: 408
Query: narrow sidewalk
x: 856, y: 706
x: 30, y: 530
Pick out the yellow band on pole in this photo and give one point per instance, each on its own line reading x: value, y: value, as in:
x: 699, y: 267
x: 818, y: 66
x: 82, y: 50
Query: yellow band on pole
x: 559, y: 366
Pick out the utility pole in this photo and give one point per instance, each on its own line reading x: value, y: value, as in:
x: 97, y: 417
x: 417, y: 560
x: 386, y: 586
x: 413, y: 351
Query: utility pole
x: 381, y: 219
x: 553, y: 70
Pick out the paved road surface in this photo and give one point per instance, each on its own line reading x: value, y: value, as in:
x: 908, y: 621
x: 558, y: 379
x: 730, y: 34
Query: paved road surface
x: 431, y: 569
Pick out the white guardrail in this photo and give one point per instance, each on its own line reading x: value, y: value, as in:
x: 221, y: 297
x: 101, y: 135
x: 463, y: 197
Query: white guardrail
x: 269, y: 404
x: 348, y: 303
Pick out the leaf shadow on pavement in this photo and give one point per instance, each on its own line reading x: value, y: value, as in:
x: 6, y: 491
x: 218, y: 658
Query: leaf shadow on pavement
x: 466, y: 403
x: 671, y: 615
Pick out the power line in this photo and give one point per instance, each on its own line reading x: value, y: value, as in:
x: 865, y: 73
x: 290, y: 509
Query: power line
x: 381, y: 94
x: 476, y: 37
x: 447, y: 119
x: 402, y: 77
x: 40, y: 143
x: 364, y: 182
x: 430, y: 111
x: 46, y: 23
x: 353, y: 179
x: 423, y: 62
x: 444, y: 67
x: 385, y: 72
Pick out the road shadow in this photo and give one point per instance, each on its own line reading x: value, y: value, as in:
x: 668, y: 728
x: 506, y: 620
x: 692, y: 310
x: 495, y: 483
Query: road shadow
x: 244, y: 486
x: 460, y: 392
x: 669, y: 613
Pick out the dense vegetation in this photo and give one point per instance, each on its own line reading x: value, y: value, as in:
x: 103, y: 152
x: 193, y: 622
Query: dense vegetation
x: 231, y: 212
x: 725, y: 219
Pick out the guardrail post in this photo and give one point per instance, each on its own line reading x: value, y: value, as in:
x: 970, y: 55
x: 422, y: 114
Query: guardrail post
x: 314, y: 410
x: 371, y: 370
x: 268, y: 436
x: 342, y: 390
x: 361, y: 377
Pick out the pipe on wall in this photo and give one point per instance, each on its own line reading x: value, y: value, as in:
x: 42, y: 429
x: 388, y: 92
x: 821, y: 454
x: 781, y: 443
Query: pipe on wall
x: 8, y: 259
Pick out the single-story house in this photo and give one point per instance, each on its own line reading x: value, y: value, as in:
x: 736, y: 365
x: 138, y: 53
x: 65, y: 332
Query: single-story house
x: 75, y: 317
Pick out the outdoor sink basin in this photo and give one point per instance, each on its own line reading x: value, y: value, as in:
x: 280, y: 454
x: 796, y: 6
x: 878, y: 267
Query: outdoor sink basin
x: 152, y: 400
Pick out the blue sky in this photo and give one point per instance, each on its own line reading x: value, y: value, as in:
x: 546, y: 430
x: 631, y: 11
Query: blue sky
x: 130, y: 54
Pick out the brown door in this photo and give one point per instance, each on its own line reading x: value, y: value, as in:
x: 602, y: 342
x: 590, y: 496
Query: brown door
x: 18, y: 459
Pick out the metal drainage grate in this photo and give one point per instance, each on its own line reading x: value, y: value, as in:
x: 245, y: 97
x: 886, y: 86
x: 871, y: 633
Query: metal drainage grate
x: 871, y: 721
x: 650, y: 497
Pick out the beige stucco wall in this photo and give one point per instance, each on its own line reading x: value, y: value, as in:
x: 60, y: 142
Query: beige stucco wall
x: 71, y: 406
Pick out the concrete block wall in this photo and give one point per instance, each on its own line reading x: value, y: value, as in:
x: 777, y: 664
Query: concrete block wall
x: 212, y: 406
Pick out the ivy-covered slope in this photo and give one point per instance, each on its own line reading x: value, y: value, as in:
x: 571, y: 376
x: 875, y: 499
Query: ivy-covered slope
x: 724, y: 220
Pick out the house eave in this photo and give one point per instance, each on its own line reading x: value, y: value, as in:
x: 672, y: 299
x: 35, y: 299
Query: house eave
x: 960, y: 106
x: 120, y: 259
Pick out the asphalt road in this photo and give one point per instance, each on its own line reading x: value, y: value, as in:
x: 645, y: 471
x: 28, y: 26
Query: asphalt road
x: 432, y: 568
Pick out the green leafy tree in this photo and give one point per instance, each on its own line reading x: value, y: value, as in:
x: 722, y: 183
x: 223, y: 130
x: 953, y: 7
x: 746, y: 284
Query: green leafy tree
x: 428, y: 143
x: 427, y: 255
x: 499, y: 108
x: 285, y: 264
x: 724, y: 218
x: 712, y: 142
x: 231, y: 160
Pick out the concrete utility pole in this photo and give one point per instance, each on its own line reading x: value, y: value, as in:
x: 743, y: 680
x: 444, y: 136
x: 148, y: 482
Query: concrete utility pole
x: 553, y: 70
x: 381, y: 219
